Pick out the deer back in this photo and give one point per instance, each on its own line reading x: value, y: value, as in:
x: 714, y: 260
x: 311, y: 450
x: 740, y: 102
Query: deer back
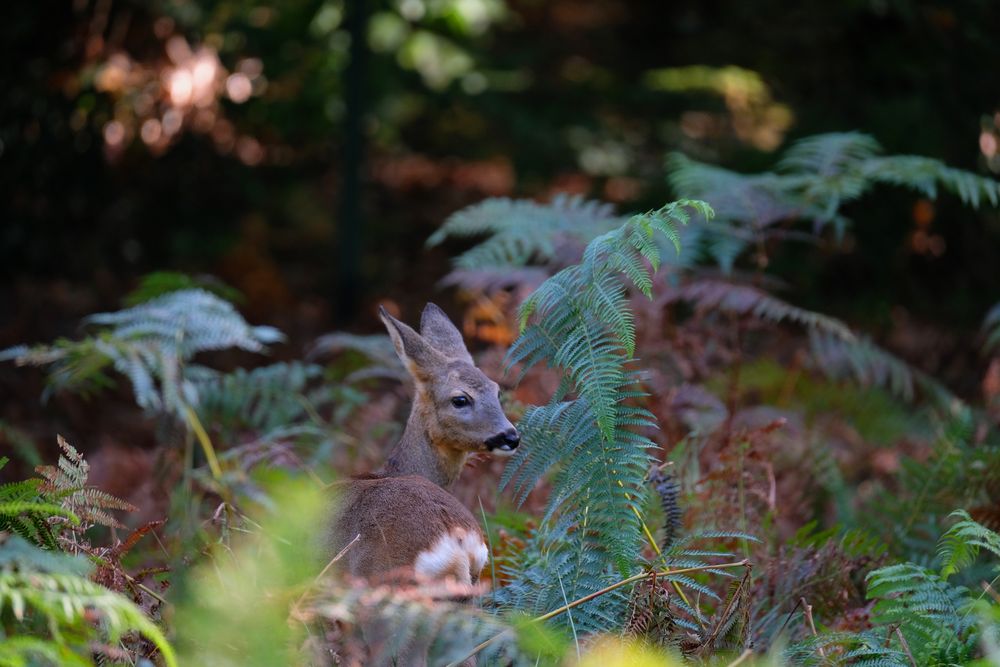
x: 409, y: 524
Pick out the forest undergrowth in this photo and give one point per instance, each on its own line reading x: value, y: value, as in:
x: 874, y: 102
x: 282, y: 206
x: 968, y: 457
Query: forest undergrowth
x: 710, y: 474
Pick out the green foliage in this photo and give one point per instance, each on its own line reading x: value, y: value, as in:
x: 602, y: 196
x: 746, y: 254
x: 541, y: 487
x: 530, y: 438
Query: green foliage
x: 814, y: 180
x: 57, y: 614
x: 816, y: 177
x: 580, y: 322
x: 41, y: 510
x: 152, y: 344
x: 959, y: 472
x: 261, y: 400
x: 559, y: 564
x: 234, y: 607
x: 159, y: 283
x: 255, y: 600
x: 74, y: 612
x: 961, y: 544
x: 520, y: 232
x: 934, y: 614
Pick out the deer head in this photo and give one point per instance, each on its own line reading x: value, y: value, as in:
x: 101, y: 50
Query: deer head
x: 456, y: 408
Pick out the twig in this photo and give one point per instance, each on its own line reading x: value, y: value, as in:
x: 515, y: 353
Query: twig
x: 743, y: 656
x: 319, y: 576
x: 812, y: 626
x: 789, y: 617
x: 489, y: 543
x: 906, y: 647
x: 569, y: 614
x: 991, y: 592
x: 135, y: 582
x: 596, y: 594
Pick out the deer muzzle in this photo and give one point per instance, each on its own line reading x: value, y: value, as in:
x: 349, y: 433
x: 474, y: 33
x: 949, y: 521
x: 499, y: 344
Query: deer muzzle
x: 504, y: 442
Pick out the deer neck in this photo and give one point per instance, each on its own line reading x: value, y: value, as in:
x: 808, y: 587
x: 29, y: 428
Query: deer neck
x: 416, y: 453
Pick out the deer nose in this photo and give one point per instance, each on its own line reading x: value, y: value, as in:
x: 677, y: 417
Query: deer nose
x: 504, y: 442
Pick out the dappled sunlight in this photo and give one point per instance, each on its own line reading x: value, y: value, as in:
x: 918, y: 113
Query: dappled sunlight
x: 157, y: 101
x: 755, y: 117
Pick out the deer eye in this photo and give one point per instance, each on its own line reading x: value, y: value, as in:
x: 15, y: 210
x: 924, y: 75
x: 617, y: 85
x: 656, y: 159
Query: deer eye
x: 460, y: 401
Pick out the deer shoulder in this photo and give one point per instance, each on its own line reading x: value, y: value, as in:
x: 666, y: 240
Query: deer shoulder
x: 407, y: 524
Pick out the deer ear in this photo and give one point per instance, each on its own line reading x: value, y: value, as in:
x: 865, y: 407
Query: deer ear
x: 442, y: 335
x: 420, y: 359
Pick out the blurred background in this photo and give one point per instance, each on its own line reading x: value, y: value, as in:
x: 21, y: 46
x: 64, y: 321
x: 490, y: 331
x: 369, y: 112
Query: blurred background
x: 302, y: 151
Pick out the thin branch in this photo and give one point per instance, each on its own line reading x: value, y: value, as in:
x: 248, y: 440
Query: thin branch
x: 789, y: 617
x: 742, y: 657
x: 596, y: 594
x: 319, y: 576
x: 812, y: 626
x: 906, y: 647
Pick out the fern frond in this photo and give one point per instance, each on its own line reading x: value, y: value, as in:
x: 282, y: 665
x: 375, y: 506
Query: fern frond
x: 26, y: 651
x: 150, y: 344
x: 845, y: 648
x: 960, y: 545
x: 259, y: 400
x: 755, y: 201
x: 520, y: 232
x: 829, y: 154
x: 754, y: 302
x: 870, y: 365
x: 926, y: 174
x: 67, y: 602
x: 928, y: 610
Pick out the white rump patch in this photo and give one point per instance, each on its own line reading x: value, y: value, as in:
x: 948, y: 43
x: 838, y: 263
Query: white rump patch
x: 459, y: 554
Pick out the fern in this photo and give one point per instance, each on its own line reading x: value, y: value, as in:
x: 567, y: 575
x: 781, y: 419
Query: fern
x: 845, y: 648
x: 869, y: 365
x: 48, y: 596
x: 26, y: 510
x: 580, y: 322
x: 158, y: 283
x: 263, y: 399
x: 150, y: 344
x: 558, y: 564
x: 377, y: 349
x: 67, y: 481
x: 47, y: 591
x: 920, y: 616
x: 713, y: 295
x: 961, y: 544
x: 816, y: 177
x: 934, y: 615
x: 523, y: 232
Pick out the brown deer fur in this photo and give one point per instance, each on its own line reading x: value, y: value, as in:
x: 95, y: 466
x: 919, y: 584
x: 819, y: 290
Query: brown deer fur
x: 403, y: 516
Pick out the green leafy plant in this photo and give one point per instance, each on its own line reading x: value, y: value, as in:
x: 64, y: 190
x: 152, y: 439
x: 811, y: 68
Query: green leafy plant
x: 50, y: 608
x: 152, y: 344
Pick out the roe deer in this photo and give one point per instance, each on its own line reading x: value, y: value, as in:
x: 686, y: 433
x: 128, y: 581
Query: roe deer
x: 402, y: 516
